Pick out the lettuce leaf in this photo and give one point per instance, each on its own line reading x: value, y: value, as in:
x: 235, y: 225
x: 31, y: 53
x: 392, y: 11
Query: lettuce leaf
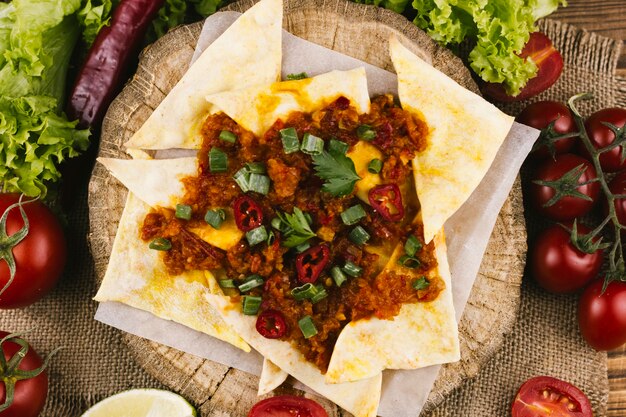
x: 93, y: 17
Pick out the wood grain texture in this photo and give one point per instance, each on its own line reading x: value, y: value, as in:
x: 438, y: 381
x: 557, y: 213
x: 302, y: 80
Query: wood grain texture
x: 214, y: 388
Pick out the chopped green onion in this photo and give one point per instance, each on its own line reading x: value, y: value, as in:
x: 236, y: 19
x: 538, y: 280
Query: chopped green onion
x: 338, y: 276
x: 421, y: 283
x: 366, y: 132
x: 242, y: 178
x: 259, y: 183
x: 299, y: 76
x: 251, y: 282
x: 409, y: 262
x: 412, y: 245
x: 256, y: 236
x: 228, y: 136
x: 256, y: 167
x: 304, y: 292
x: 227, y: 283
x: 301, y: 248
x: 251, y: 305
x: 215, y: 217
x: 352, y: 269
x: 277, y: 223
x: 218, y: 160
x: 160, y: 243
x: 359, y: 236
x: 312, y: 145
x: 291, y: 143
x: 307, y: 327
x: 319, y: 295
x: 271, y: 237
x: 338, y: 146
x: 375, y: 166
x: 183, y: 211
x: 352, y: 215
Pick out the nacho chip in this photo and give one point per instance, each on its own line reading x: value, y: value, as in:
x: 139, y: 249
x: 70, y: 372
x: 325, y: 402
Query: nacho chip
x: 271, y: 377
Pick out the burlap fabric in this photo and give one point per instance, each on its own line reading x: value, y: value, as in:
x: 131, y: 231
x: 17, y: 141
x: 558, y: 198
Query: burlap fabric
x: 94, y: 362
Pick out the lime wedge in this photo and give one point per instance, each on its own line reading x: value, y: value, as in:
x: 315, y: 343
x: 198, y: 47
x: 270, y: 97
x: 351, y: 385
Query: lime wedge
x: 142, y: 403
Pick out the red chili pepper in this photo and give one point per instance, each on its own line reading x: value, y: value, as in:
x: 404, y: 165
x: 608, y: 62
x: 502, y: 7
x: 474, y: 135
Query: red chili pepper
x: 248, y: 213
x: 311, y: 263
x: 342, y: 103
x: 386, y: 199
x: 113, y: 50
x: 271, y: 324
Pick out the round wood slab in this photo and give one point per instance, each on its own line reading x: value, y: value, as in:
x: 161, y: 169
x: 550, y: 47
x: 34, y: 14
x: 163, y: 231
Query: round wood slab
x: 355, y: 30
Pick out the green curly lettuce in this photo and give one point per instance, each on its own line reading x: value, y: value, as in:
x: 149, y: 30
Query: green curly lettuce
x: 92, y: 17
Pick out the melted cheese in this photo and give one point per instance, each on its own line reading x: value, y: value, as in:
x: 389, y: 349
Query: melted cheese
x: 224, y: 238
x: 361, y: 154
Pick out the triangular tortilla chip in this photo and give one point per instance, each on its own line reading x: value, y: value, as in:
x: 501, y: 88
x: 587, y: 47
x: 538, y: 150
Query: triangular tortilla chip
x: 249, y: 52
x: 360, y: 398
x: 422, y: 334
x: 257, y: 108
x: 271, y: 377
x: 465, y: 133
x: 137, y: 277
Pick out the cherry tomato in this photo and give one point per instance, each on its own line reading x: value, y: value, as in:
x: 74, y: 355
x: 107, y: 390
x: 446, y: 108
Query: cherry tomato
x: 601, y: 136
x: 287, y: 406
x: 568, y: 207
x: 271, y: 324
x: 544, y: 396
x: 30, y: 394
x: 549, y: 66
x: 540, y: 114
x: 602, y: 316
x: 248, y: 213
x: 617, y: 186
x: 40, y: 257
x: 558, y: 266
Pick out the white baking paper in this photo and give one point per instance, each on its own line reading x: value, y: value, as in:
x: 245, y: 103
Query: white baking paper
x: 467, y: 232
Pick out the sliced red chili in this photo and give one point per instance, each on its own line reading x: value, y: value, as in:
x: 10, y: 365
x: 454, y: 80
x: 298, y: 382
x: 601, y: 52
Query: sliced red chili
x: 386, y: 199
x: 311, y: 263
x: 248, y: 213
x: 342, y: 103
x: 271, y: 324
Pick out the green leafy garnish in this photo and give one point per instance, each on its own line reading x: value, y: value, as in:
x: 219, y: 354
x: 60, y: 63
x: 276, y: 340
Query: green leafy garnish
x: 295, y: 227
x: 338, y: 171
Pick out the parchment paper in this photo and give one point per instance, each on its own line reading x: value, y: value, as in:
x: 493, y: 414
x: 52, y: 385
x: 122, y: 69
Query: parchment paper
x: 467, y: 232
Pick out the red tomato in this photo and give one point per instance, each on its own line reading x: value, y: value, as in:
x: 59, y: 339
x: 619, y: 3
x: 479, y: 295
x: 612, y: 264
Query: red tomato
x: 558, y: 266
x: 549, y: 66
x: 287, y: 406
x: 568, y: 207
x: 40, y: 257
x: 30, y: 394
x: 602, y: 316
x: 617, y: 186
x: 540, y: 114
x: 601, y: 136
x: 544, y: 396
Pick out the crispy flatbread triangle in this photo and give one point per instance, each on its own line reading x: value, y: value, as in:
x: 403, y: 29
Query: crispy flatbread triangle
x: 137, y: 277
x: 249, y: 52
x: 422, y: 334
x: 465, y: 133
x: 360, y: 398
x: 257, y: 108
x: 271, y: 377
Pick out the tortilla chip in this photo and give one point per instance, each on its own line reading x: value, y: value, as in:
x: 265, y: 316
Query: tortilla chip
x: 422, y: 334
x: 271, y: 377
x: 249, y: 52
x: 257, y: 108
x: 360, y: 398
x: 137, y: 277
x: 465, y: 134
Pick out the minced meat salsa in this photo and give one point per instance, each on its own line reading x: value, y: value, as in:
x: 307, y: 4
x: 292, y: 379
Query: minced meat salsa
x: 312, y: 255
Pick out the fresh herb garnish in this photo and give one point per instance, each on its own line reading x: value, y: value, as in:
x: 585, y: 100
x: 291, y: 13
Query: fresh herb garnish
x: 295, y: 227
x: 338, y: 171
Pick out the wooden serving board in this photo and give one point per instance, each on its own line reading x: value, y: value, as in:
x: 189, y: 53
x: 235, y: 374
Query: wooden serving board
x: 355, y: 30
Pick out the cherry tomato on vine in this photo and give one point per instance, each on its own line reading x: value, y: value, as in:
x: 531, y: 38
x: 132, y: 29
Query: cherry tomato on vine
x: 540, y: 115
x: 287, y: 406
x: 602, y: 316
x: 549, y: 66
x: 30, y: 394
x: 617, y: 186
x: 601, y: 136
x: 544, y: 396
x: 567, y: 207
x: 39, y: 258
x: 559, y: 267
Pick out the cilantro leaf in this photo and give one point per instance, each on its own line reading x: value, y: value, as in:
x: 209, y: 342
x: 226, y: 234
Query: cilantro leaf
x: 297, y: 229
x: 338, y: 171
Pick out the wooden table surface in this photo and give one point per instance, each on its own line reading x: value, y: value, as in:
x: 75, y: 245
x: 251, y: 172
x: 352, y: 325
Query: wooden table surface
x: 606, y: 18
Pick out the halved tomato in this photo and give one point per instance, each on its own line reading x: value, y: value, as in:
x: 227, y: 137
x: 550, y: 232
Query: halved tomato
x: 287, y: 406
x: 544, y: 396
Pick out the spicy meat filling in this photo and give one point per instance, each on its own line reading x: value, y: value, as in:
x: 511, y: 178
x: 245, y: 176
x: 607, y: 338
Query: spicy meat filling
x: 319, y: 231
